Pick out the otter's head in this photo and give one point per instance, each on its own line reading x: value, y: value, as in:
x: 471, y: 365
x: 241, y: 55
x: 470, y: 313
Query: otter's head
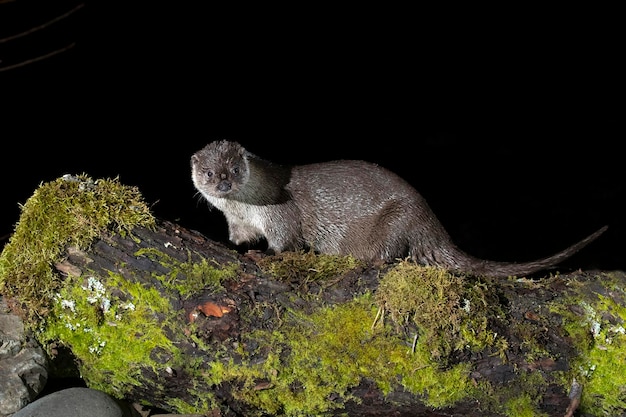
x: 220, y: 169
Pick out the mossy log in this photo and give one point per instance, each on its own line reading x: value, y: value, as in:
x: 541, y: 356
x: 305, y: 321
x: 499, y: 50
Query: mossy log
x: 155, y: 313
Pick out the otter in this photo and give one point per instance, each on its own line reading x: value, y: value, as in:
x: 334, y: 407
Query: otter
x: 342, y: 207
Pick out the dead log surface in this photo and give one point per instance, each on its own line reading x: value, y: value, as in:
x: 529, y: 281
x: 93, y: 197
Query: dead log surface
x: 211, y: 323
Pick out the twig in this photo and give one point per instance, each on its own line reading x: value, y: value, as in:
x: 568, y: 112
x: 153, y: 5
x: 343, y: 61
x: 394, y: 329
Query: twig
x: 36, y: 28
x: 574, y: 396
x: 379, y: 314
x: 414, y: 344
x: 39, y: 58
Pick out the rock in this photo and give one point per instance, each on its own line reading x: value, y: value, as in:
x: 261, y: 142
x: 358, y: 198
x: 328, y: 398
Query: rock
x: 23, y: 364
x: 77, y: 402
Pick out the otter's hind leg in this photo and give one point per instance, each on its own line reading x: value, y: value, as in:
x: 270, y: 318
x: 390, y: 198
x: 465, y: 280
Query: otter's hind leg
x: 381, y: 237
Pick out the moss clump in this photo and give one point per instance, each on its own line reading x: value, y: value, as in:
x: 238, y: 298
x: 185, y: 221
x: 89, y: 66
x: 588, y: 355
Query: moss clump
x: 70, y: 211
x: 523, y: 406
x: 187, y: 278
x: 521, y: 397
x: 120, y: 330
x: 596, y: 326
x: 307, y: 267
x: 116, y: 328
x: 451, y: 312
x: 329, y: 352
x: 314, y: 359
x: 112, y: 336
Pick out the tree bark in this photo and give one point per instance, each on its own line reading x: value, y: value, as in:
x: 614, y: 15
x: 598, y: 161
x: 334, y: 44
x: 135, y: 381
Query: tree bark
x: 230, y: 324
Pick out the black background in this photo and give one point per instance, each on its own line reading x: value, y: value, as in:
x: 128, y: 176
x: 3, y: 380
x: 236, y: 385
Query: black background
x: 509, y: 122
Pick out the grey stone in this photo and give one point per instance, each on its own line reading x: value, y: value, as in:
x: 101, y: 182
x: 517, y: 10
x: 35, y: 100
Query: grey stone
x: 77, y: 402
x: 23, y: 364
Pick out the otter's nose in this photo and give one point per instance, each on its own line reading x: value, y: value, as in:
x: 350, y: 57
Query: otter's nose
x: 224, y: 186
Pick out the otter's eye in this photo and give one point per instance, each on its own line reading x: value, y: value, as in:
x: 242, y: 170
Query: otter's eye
x: 235, y: 170
x: 209, y: 174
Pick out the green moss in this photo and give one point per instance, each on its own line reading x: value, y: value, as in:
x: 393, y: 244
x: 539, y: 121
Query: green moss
x: 329, y: 352
x: 451, y: 312
x: 202, y: 406
x: 523, y: 395
x: 70, y: 211
x: 191, y: 277
x: 600, y: 339
x: 522, y: 406
x: 529, y: 334
x: 313, y: 360
x: 306, y: 267
x: 112, y: 336
x: 118, y: 331
x: 114, y: 326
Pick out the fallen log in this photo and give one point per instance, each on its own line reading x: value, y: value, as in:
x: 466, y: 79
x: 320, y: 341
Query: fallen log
x: 155, y: 313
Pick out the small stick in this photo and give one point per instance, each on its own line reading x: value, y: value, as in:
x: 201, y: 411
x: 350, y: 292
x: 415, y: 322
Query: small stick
x: 39, y: 58
x: 43, y: 26
x: 378, y: 314
x: 574, y: 397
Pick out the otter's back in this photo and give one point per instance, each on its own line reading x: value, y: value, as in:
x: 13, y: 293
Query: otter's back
x: 346, y: 203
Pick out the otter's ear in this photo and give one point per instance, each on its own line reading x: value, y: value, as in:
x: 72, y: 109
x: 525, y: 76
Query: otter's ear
x: 194, y: 159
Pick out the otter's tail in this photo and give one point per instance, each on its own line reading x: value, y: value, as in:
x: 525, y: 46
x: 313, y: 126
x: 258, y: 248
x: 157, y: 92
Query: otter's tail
x: 507, y: 269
